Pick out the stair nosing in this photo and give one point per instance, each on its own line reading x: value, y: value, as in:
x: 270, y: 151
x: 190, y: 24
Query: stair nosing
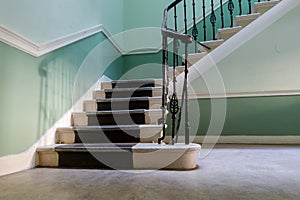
x: 116, y: 146
x: 250, y: 16
x: 127, y: 99
x: 230, y: 29
x: 107, y: 112
x: 132, y: 80
x: 130, y: 89
x: 136, y: 126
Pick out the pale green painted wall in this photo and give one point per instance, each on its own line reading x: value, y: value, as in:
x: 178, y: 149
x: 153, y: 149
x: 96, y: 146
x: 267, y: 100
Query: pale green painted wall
x: 144, y: 13
x: 36, y: 92
x: 248, y: 116
x: 43, y: 20
x: 268, y: 62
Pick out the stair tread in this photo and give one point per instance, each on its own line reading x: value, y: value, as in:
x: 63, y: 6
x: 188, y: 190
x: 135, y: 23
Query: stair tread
x: 127, y: 127
x: 248, y: 16
x: 213, y: 44
x: 122, y: 111
x: 262, y: 7
x: 197, y: 54
x: 132, y: 89
x: 127, y: 99
x: 132, y: 80
x: 267, y: 3
x: 230, y: 29
x: 213, y: 41
x: 118, y: 147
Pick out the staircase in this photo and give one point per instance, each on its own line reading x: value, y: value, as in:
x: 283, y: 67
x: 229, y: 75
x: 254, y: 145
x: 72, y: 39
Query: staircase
x: 239, y: 22
x: 118, y: 130
x: 123, y: 126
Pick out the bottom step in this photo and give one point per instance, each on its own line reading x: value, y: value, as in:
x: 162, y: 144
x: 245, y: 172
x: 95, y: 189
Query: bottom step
x: 119, y: 156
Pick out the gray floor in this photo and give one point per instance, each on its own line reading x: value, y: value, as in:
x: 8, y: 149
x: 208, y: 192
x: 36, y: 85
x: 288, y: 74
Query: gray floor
x: 228, y: 172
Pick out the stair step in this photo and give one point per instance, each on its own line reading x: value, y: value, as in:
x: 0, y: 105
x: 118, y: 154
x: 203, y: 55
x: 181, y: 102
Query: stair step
x: 178, y: 70
x: 262, y: 7
x: 116, y: 117
x: 244, y: 20
x: 108, y: 134
x: 135, y: 83
x: 122, y: 104
x: 128, y: 92
x: 227, y: 33
x: 213, y: 44
x: 194, y: 57
x: 119, y: 156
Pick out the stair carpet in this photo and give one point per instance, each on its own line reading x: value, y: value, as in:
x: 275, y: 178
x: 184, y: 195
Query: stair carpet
x: 118, y: 129
x: 224, y: 34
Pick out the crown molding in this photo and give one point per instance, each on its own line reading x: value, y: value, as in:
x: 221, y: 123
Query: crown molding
x: 26, y: 45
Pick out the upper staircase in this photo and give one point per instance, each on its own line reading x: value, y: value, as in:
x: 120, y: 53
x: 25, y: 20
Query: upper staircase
x: 124, y: 125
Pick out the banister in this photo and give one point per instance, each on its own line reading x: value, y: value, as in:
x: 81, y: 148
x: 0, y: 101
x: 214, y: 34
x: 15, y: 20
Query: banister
x: 175, y: 37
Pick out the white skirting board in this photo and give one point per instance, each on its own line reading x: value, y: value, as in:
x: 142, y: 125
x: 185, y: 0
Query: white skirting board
x: 275, y: 140
x: 26, y: 160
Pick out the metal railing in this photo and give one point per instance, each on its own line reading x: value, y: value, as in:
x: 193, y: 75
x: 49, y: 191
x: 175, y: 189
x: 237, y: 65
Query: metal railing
x: 220, y: 15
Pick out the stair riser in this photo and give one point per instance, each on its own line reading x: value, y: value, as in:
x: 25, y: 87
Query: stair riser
x: 244, y: 23
x: 132, y: 105
x: 68, y: 136
x: 117, y: 136
x: 127, y: 94
x: 245, y: 20
x: 93, y: 105
x: 120, y: 119
x: 212, y: 44
x: 147, y: 117
x: 264, y: 6
x: 108, y: 160
x: 225, y: 34
x: 193, y: 58
x: 131, y: 84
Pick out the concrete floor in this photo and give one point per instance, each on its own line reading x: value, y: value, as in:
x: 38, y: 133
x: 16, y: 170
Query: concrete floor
x: 228, y: 172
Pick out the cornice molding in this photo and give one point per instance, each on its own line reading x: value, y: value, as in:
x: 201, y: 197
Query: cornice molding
x: 26, y: 45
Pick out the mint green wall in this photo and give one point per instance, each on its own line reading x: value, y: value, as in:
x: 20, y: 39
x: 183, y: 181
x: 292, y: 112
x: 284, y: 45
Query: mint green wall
x: 253, y: 116
x: 267, y: 62
x: 144, y: 13
x: 249, y: 116
x: 36, y: 92
x: 43, y: 20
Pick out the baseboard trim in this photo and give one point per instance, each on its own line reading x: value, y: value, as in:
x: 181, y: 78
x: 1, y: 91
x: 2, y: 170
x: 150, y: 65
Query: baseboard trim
x: 26, y: 160
x: 247, y: 94
x: 275, y: 140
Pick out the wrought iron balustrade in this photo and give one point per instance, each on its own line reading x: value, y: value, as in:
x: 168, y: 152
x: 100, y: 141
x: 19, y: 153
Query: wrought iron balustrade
x: 200, y: 20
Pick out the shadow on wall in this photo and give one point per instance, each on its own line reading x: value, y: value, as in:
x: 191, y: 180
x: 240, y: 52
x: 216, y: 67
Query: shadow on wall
x: 57, y: 73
